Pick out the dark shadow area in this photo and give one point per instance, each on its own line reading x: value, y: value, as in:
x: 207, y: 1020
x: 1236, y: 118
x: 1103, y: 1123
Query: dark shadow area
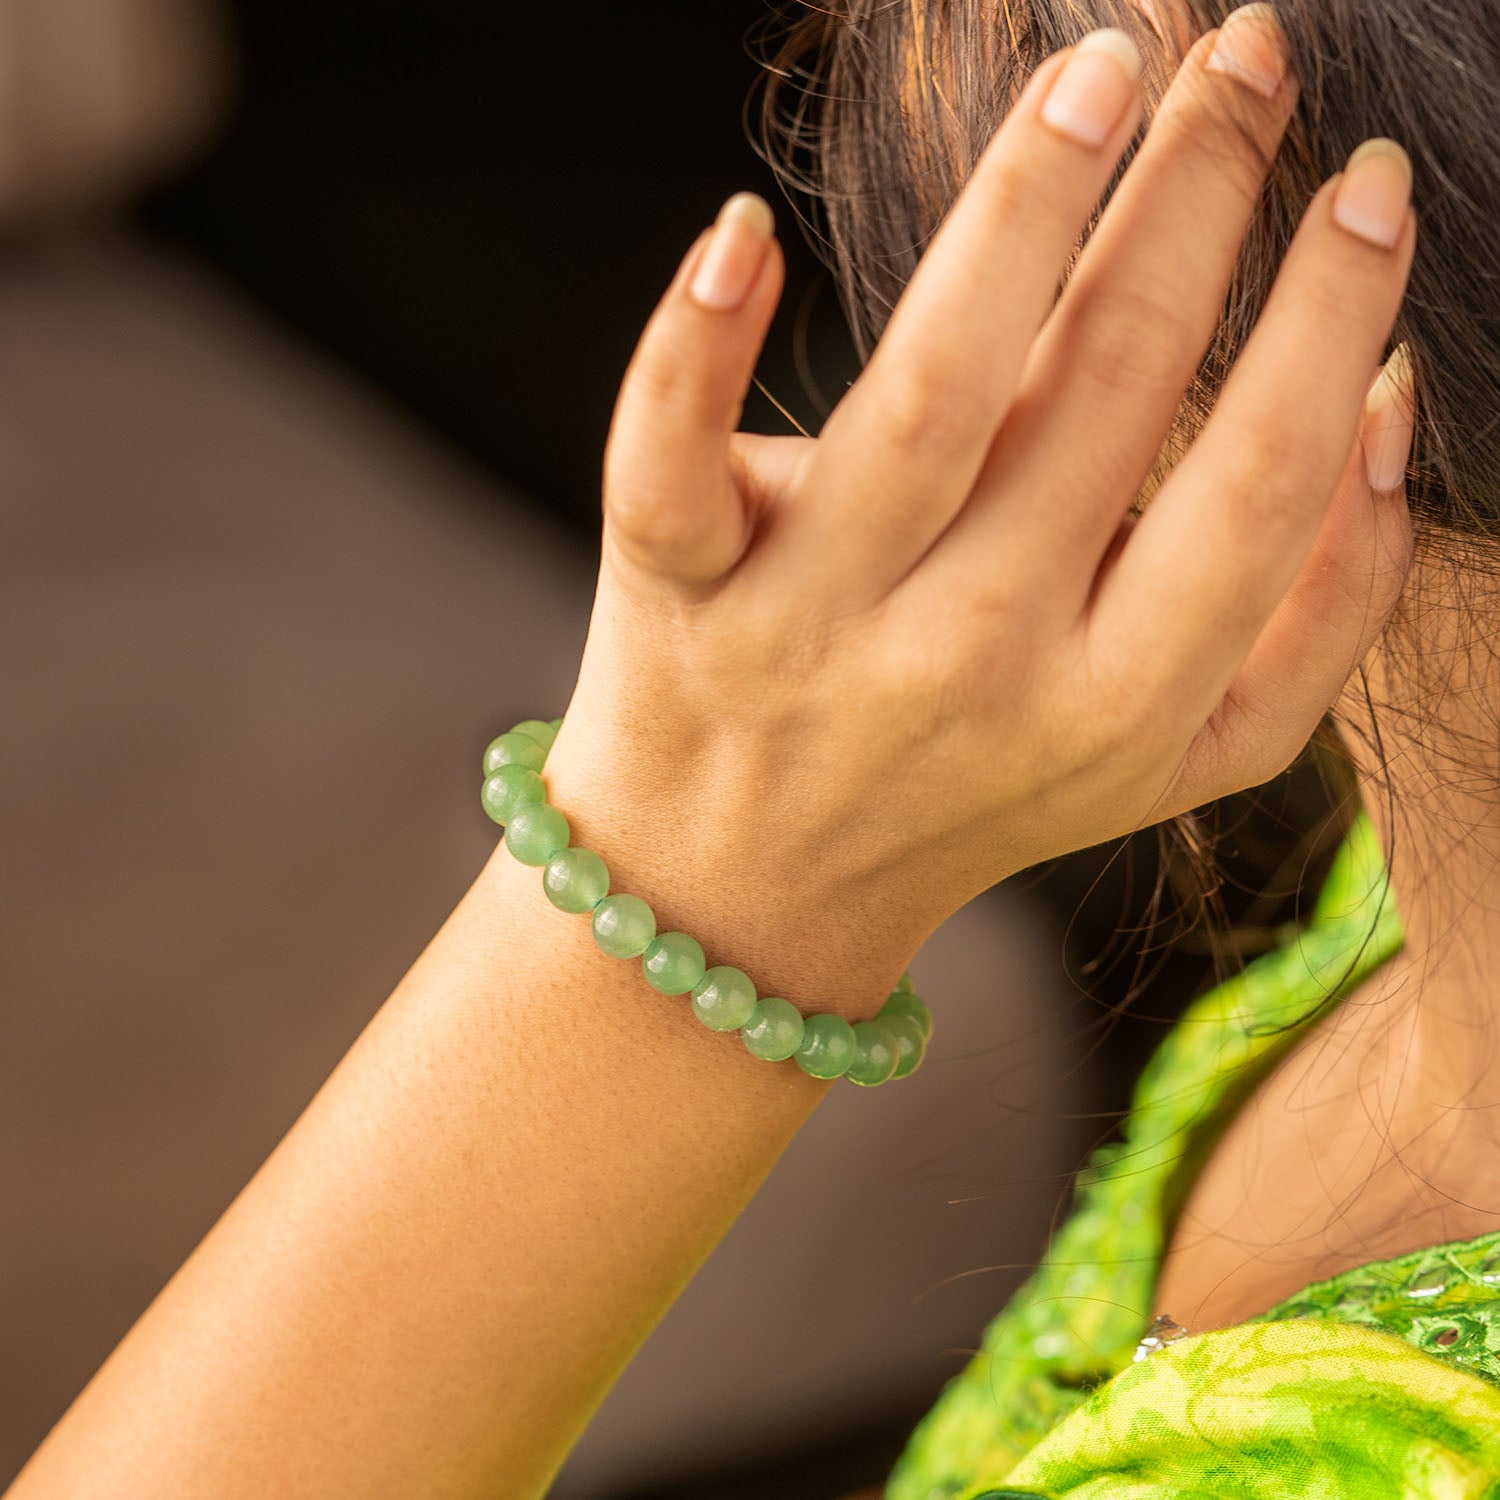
x: 478, y: 206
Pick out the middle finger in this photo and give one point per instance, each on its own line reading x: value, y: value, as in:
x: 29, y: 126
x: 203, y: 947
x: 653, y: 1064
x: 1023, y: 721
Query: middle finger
x: 1106, y: 376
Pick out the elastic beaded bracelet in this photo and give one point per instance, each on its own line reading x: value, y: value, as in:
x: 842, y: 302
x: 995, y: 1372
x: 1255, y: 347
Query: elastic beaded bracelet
x: 722, y: 997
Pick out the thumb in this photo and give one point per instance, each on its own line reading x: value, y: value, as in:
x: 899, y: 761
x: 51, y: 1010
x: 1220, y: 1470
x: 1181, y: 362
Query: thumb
x: 671, y: 504
x: 1386, y: 427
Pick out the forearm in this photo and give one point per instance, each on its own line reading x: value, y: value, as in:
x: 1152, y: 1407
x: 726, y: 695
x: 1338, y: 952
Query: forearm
x: 437, y: 1276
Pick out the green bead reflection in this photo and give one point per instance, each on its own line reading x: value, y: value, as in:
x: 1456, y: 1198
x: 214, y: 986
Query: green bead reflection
x: 724, y: 999
x: 575, y: 880
x: 774, y: 1030
x: 623, y: 926
x: 827, y: 1047
x: 673, y: 963
x: 911, y: 1045
x: 513, y: 750
x: 874, y: 1060
x: 537, y: 729
x: 536, y: 832
x: 904, y: 1003
x: 508, y: 788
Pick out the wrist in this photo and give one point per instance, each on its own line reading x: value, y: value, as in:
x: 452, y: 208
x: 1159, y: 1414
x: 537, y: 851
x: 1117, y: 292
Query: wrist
x: 706, y: 856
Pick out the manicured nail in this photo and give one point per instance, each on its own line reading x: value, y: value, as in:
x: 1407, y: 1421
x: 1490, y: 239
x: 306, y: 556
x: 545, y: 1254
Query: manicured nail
x: 1251, y: 48
x: 1091, y: 94
x: 1373, y: 197
x: 732, y: 261
x: 1386, y: 433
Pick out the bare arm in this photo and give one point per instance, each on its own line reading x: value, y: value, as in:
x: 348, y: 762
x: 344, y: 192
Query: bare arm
x: 436, y: 1277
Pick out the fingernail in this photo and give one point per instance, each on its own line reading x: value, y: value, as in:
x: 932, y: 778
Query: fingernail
x: 1372, y: 199
x: 1089, y: 97
x: 1251, y: 48
x: 735, y: 253
x: 1386, y: 433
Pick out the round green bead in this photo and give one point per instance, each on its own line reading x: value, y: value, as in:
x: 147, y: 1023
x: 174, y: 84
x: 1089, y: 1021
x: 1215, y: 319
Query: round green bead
x: 575, y: 880
x: 509, y: 788
x: 513, y: 750
x: 911, y: 1045
x: 555, y: 724
x: 537, y: 729
x: 673, y: 963
x: 874, y: 1059
x: 774, y: 1030
x: 724, y: 999
x: 904, y: 1003
x: 623, y: 926
x: 827, y: 1047
x: 536, y: 832
x: 904, y: 984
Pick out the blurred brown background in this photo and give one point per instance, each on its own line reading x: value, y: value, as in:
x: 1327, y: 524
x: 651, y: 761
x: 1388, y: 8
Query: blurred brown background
x: 311, y: 318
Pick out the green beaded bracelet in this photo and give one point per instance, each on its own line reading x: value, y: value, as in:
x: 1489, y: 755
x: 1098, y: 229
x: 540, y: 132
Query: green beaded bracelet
x: 723, y: 998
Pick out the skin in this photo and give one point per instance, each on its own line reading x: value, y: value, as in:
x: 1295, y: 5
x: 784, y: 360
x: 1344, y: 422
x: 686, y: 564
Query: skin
x: 431, y: 1284
x: 1379, y: 1134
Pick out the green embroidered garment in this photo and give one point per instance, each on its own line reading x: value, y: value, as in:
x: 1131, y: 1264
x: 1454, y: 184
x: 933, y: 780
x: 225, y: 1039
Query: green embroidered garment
x: 1383, y: 1381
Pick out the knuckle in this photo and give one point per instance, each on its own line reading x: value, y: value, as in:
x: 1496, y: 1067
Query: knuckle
x: 1221, y: 131
x: 665, y: 376
x: 1116, y: 728
x: 1020, y: 189
x: 925, y: 409
x: 1266, y: 488
x: 1133, y: 338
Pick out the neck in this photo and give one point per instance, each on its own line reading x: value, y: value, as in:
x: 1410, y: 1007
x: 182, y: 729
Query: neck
x: 1380, y: 1133
x: 1425, y: 740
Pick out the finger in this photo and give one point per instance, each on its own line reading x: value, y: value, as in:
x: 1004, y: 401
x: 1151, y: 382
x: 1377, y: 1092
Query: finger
x: 1330, y: 619
x: 671, y: 507
x: 900, y: 453
x: 1109, y: 370
x: 1221, y: 542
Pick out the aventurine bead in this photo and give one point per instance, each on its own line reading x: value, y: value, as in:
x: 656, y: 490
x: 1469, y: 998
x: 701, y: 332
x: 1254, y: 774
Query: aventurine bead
x: 513, y: 750
x: 555, y: 724
x: 827, y: 1047
x: 508, y: 788
x: 673, y: 963
x: 904, y: 1003
x: 911, y: 1045
x: 575, y: 880
x: 874, y: 1058
x: 724, y: 999
x: 536, y: 832
x: 904, y: 984
x: 537, y: 729
x: 623, y: 926
x: 774, y: 1030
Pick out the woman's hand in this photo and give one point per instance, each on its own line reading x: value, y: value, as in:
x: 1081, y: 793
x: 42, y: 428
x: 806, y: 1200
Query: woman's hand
x: 865, y: 677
